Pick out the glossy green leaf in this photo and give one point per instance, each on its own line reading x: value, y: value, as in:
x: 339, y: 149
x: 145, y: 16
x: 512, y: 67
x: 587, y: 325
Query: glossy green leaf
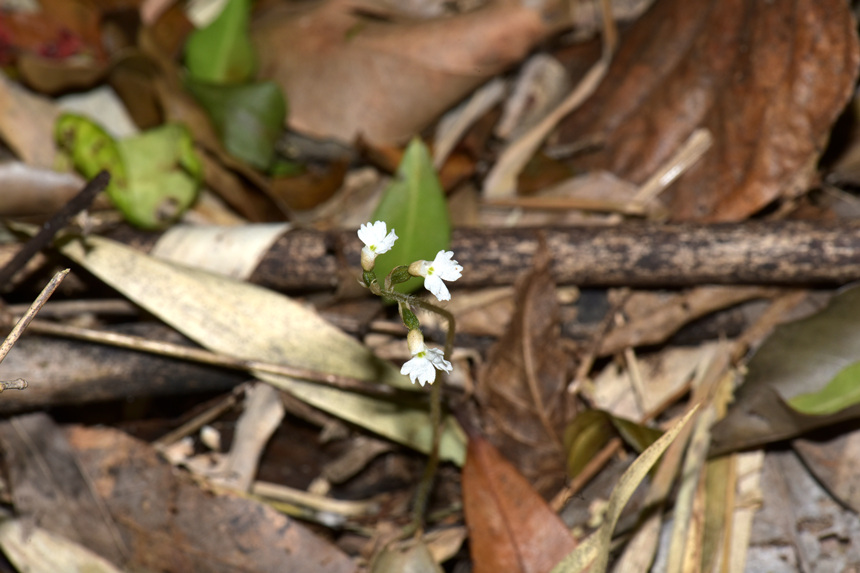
x: 414, y: 205
x: 155, y: 176
x: 222, y: 52
x: 249, y: 118
x: 841, y: 392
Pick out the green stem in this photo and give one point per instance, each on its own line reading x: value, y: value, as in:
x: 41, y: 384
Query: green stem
x: 425, y: 486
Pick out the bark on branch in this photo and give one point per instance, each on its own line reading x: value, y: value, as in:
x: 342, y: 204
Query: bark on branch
x: 637, y: 255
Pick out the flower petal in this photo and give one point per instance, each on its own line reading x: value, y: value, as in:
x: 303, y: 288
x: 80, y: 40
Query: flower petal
x: 434, y: 284
x: 445, y: 267
x: 420, y: 370
x: 437, y: 358
x: 374, y: 236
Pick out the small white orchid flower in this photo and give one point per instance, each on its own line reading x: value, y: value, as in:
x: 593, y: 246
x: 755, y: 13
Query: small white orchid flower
x: 442, y: 268
x: 425, y: 361
x: 377, y: 240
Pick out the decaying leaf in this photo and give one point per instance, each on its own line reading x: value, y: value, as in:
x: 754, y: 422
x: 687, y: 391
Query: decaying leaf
x: 511, y: 528
x: 799, y: 358
x: 522, y: 386
x: 115, y: 495
x: 386, y: 79
x: 767, y: 79
x: 835, y: 462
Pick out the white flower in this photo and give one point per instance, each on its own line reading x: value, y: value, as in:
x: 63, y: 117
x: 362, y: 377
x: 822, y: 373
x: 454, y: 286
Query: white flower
x: 377, y: 240
x: 425, y: 361
x: 442, y: 268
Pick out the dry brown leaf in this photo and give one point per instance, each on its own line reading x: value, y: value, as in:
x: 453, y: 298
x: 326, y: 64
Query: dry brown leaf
x: 115, y: 494
x: 511, y: 528
x: 347, y: 75
x: 767, y: 79
x: 521, y: 388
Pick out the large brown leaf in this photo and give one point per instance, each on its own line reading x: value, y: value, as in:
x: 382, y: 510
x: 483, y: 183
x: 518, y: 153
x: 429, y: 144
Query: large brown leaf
x: 347, y: 75
x: 767, y: 79
x: 522, y: 385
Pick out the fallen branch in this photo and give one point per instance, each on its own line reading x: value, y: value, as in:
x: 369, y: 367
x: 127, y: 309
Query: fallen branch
x: 636, y: 255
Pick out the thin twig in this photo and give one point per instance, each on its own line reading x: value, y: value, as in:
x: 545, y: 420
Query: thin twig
x: 18, y: 329
x: 206, y: 357
x: 197, y: 422
x: 60, y: 219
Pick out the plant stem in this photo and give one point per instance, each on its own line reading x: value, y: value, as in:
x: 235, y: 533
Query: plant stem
x: 425, y: 486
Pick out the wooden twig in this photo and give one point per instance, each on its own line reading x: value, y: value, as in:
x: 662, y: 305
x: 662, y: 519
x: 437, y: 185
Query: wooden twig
x: 18, y: 329
x: 801, y: 253
x: 206, y: 357
x: 60, y: 219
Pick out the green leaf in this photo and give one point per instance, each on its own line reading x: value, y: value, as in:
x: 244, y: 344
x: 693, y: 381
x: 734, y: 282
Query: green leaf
x: 414, y: 205
x: 89, y: 148
x: 249, y: 118
x: 164, y: 175
x: 840, y: 393
x: 222, y: 51
x: 154, y: 176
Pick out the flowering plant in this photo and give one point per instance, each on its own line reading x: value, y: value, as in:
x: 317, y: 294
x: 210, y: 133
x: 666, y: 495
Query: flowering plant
x: 378, y: 240
x: 422, y: 367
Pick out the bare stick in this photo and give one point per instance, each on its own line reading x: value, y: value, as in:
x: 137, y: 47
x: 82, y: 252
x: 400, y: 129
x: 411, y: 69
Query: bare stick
x: 60, y: 219
x: 206, y: 357
x: 20, y: 384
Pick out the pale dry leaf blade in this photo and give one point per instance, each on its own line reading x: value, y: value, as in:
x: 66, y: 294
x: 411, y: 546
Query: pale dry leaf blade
x: 246, y: 321
x: 594, y: 551
x: 38, y: 550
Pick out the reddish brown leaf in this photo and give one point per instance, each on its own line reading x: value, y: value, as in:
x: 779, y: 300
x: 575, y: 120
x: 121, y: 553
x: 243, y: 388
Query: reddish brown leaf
x: 768, y: 79
x: 522, y: 386
x: 511, y: 528
x: 346, y: 75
